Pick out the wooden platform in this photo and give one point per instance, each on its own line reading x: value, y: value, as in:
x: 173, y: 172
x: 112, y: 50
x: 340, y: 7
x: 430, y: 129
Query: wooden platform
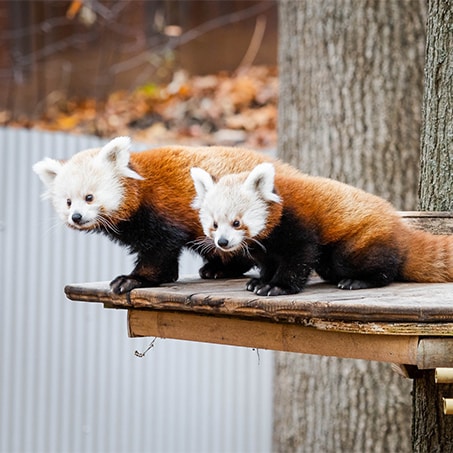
x: 404, y: 323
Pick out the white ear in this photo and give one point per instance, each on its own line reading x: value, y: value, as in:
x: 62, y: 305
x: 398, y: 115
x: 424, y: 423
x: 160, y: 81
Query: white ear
x: 47, y: 170
x: 261, y: 180
x: 203, y: 182
x: 116, y: 152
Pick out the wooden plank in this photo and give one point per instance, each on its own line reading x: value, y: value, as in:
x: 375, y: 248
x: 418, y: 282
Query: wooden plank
x: 400, y: 303
x: 425, y: 353
x: 435, y: 352
x: 435, y: 222
x: 268, y: 335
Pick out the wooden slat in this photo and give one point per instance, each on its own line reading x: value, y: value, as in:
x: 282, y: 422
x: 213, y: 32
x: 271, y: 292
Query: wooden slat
x: 410, y: 305
x: 435, y: 222
x: 425, y: 353
x: 435, y: 352
x: 268, y: 335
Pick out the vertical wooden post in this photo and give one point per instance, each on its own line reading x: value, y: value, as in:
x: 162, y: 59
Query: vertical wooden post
x: 432, y: 431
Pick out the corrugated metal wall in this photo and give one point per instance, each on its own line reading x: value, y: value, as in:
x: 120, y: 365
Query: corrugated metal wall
x: 69, y: 380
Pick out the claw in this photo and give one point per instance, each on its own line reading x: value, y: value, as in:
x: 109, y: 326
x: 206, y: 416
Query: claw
x: 253, y: 284
x: 124, y: 283
x: 350, y: 283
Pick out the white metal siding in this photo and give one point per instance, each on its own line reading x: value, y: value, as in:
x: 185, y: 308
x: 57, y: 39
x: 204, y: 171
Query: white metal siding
x: 69, y: 380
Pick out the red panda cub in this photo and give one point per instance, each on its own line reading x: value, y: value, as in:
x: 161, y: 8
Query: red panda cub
x: 142, y: 201
x: 291, y: 224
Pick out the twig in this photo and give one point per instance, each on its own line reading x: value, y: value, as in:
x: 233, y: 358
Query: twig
x: 255, y: 42
x: 142, y: 354
x: 258, y: 355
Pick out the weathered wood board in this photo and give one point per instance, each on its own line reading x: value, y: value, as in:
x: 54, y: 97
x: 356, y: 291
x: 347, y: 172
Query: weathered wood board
x: 435, y: 222
x: 401, y: 308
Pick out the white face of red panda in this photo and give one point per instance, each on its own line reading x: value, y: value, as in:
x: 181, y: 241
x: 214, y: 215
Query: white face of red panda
x: 236, y: 207
x: 87, y: 189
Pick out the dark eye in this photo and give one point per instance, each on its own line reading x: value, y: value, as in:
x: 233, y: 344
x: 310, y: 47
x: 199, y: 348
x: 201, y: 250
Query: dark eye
x: 68, y: 202
x: 236, y: 224
x: 89, y: 198
x: 215, y: 226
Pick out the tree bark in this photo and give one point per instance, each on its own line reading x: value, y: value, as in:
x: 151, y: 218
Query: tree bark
x: 436, y: 182
x: 339, y: 405
x: 350, y: 109
x: 432, y: 431
x: 351, y: 81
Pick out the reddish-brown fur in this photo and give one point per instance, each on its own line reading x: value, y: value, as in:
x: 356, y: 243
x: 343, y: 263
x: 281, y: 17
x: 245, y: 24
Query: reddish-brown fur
x: 338, y: 211
x: 166, y: 193
x: 156, y: 219
x: 168, y: 185
x: 344, y: 213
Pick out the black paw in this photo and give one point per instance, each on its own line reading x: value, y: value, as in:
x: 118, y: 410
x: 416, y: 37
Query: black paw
x: 211, y: 272
x: 215, y: 271
x: 125, y: 283
x: 269, y: 290
x: 350, y: 283
x: 253, y: 284
x: 266, y: 289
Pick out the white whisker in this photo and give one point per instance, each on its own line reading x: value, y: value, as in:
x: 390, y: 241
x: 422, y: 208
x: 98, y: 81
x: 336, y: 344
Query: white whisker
x: 258, y: 243
x: 245, y: 250
x: 203, y: 245
x: 108, y: 224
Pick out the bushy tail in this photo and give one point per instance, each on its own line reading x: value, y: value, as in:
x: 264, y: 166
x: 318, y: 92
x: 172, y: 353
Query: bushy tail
x: 429, y: 257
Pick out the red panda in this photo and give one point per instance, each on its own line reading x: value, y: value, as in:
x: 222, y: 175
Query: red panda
x: 291, y: 224
x: 143, y: 201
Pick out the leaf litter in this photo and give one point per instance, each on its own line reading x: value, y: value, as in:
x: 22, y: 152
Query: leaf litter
x: 237, y: 108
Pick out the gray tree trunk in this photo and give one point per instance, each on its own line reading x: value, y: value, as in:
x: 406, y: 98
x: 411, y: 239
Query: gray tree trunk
x: 350, y: 109
x: 324, y: 404
x: 351, y: 82
x: 432, y: 430
x: 436, y: 183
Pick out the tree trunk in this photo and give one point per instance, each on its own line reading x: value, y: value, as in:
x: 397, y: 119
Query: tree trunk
x: 350, y: 109
x: 436, y: 183
x: 323, y: 404
x: 351, y: 86
x: 432, y: 430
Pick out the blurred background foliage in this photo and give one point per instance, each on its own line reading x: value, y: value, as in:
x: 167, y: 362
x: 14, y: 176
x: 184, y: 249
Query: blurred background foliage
x: 200, y: 71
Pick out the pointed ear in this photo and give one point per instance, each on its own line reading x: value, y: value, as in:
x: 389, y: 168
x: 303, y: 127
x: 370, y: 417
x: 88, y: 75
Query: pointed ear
x: 116, y: 152
x: 261, y: 180
x: 47, y: 170
x: 203, y: 182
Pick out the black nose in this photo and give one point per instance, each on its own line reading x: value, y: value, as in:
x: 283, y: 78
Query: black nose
x: 76, y: 217
x: 222, y: 242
